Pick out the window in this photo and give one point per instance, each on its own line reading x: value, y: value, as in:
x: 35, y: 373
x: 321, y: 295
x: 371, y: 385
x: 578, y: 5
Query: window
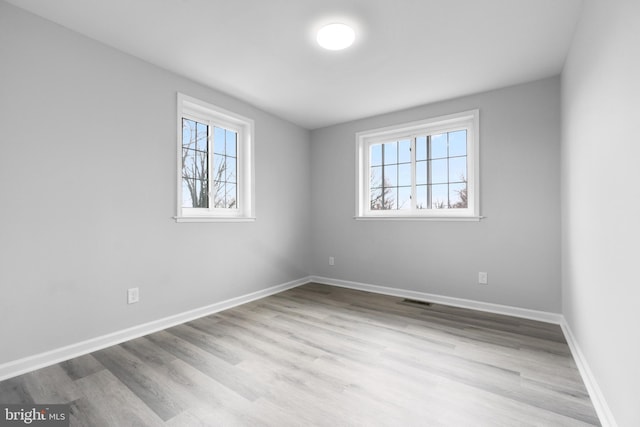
x: 215, y: 163
x: 427, y: 169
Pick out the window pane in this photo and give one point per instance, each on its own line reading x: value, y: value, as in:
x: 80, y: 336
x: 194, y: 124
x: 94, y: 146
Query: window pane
x: 439, y: 146
x: 421, y: 173
x: 376, y: 199
x: 458, y: 143
x: 390, y: 198
x: 188, y: 163
x: 391, y: 176
x: 458, y: 195
x: 187, y: 185
x: 439, y: 171
x: 404, y: 175
x: 390, y: 153
x: 375, y: 180
x: 201, y: 166
x: 218, y: 140
x: 458, y: 169
x: 421, y: 197
x: 219, y: 168
x: 230, y: 175
x: 201, y: 136
x: 188, y: 133
x: 194, y: 164
x: 230, y: 196
x: 404, y: 151
x: 404, y: 198
x: 439, y: 196
x: 218, y: 194
x: 375, y: 155
x: 202, y: 200
x: 231, y: 139
x: 421, y: 148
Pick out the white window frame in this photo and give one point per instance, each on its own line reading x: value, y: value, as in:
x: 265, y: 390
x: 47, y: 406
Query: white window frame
x: 212, y: 115
x: 468, y: 120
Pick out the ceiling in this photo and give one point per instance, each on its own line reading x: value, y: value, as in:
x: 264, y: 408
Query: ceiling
x: 406, y: 53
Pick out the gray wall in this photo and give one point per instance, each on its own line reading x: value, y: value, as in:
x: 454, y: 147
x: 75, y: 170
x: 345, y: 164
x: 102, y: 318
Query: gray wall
x: 87, y: 192
x: 518, y: 243
x: 601, y: 207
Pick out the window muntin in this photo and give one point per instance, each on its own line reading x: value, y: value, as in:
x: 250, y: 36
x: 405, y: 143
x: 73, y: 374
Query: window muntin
x: 225, y: 193
x: 215, y: 163
x: 440, y: 172
x: 390, y: 175
x: 195, y: 164
x: 424, y: 169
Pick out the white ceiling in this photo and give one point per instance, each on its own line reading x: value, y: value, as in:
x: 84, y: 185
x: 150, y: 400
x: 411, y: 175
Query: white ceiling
x: 407, y: 52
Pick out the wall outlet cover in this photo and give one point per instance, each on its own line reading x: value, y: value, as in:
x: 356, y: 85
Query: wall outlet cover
x: 483, y: 278
x: 133, y: 295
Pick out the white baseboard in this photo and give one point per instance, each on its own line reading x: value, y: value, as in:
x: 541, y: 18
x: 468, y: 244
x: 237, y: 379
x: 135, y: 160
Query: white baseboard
x: 595, y: 393
x: 524, y: 313
x: 30, y: 363
x: 27, y: 364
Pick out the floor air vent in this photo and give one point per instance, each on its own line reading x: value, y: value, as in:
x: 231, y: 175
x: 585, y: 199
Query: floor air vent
x: 416, y: 302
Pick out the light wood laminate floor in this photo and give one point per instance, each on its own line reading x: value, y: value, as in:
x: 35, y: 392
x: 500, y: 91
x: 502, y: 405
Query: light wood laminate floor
x: 324, y: 356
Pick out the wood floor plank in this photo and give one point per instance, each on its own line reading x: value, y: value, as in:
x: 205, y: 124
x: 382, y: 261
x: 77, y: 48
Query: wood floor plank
x: 209, y: 364
x: 106, y: 401
x: 51, y: 385
x: 14, y: 391
x: 81, y: 367
x: 148, y: 352
x: 263, y: 331
x: 324, y: 356
x: 155, y: 390
x: 206, y: 341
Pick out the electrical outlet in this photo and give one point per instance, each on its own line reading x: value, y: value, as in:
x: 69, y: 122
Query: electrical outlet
x: 133, y: 295
x: 332, y: 261
x: 483, y: 278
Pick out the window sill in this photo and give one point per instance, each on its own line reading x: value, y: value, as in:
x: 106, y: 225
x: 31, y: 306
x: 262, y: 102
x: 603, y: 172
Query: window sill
x: 419, y: 218
x: 213, y: 219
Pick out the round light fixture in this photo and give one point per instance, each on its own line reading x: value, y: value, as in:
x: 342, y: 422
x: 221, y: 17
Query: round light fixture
x: 336, y: 36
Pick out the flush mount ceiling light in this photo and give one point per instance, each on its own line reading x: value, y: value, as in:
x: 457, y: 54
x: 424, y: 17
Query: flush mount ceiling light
x: 336, y: 36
